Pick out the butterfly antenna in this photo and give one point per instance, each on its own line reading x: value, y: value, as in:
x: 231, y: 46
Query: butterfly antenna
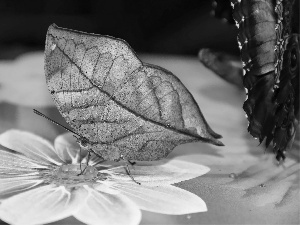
x: 56, y: 123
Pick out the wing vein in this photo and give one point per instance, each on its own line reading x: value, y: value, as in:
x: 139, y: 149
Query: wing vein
x: 130, y: 110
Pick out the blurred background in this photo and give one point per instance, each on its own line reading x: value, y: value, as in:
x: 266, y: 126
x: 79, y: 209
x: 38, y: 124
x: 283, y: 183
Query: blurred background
x: 168, y: 27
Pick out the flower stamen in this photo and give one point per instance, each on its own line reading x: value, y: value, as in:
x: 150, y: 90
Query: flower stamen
x: 71, y: 175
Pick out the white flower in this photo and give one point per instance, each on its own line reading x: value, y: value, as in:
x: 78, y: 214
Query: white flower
x: 39, y: 184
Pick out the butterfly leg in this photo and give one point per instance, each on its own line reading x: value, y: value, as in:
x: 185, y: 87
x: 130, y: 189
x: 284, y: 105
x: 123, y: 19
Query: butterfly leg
x: 131, y: 163
x: 129, y: 174
x: 87, y: 162
x: 128, y: 170
x: 80, y: 161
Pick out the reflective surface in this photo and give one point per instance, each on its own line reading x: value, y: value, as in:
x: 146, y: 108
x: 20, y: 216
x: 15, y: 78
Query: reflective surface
x: 245, y: 184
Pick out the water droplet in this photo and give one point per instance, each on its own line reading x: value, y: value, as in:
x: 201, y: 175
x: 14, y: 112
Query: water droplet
x: 53, y: 46
x: 262, y: 185
x: 188, y: 217
x: 233, y: 175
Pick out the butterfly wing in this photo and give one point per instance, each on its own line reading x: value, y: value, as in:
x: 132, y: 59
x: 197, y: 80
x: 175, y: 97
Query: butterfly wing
x: 287, y: 63
x: 121, y: 105
x: 266, y: 39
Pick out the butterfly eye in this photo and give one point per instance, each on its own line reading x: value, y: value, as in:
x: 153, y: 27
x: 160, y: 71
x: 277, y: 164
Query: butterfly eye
x: 83, y: 142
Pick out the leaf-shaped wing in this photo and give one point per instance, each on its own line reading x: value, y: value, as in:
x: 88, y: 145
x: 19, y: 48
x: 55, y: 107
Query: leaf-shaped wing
x: 122, y: 106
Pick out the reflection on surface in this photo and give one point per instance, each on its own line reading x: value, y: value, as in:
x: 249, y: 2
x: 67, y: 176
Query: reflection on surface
x: 262, y: 192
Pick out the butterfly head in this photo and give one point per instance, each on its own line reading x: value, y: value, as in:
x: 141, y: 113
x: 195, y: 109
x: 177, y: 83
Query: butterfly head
x: 82, y: 141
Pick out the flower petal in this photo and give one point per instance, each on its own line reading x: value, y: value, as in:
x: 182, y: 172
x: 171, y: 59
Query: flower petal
x: 69, y: 151
x: 163, y: 172
x: 31, y: 145
x: 162, y: 199
x: 41, y: 205
x: 106, y: 188
x: 14, y: 163
x: 103, y: 208
x: 9, y: 186
x: 67, y: 148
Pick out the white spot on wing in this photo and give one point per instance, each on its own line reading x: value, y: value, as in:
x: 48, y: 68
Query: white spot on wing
x: 53, y: 46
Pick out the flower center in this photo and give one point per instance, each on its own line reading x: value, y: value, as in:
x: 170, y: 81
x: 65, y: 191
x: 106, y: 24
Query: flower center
x: 74, y: 172
x: 72, y: 175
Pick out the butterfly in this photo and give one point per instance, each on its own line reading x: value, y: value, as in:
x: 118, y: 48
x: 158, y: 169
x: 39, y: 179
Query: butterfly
x: 269, y: 41
x: 268, y: 38
x: 119, y: 106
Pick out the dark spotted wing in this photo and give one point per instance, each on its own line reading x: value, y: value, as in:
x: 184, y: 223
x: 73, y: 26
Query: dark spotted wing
x: 269, y: 42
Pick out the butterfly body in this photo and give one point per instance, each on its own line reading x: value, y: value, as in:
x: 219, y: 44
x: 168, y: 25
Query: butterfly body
x: 123, y: 107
